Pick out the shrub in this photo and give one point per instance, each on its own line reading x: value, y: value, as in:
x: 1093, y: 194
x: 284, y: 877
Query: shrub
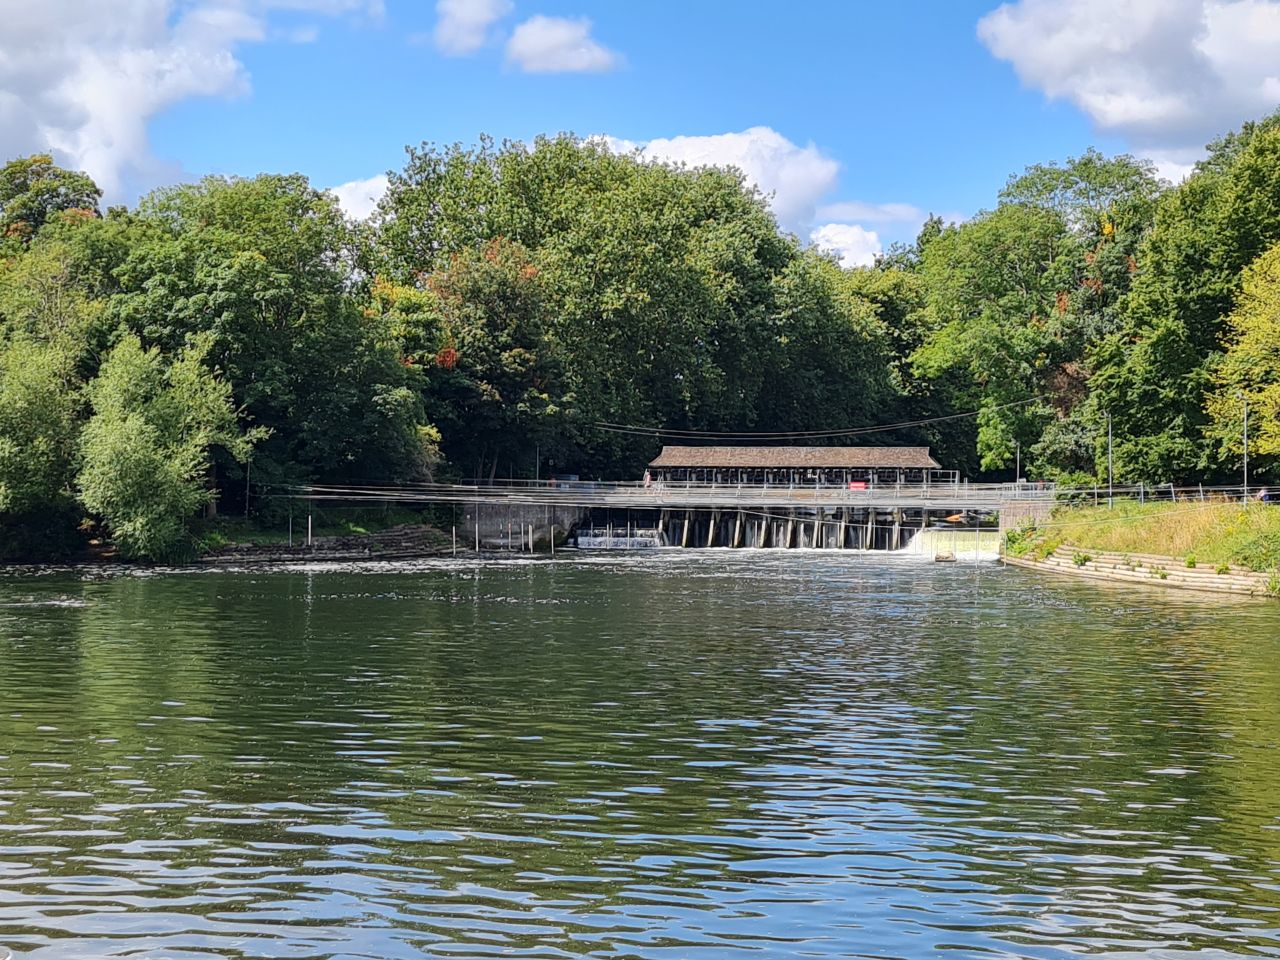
x: 1222, y: 568
x: 1191, y: 561
x: 1080, y: 559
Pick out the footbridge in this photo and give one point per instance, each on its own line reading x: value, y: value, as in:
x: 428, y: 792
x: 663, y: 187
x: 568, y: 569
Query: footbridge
x: 859, y: 516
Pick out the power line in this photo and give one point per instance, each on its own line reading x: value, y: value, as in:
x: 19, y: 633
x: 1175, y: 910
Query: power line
x: 636, y: 430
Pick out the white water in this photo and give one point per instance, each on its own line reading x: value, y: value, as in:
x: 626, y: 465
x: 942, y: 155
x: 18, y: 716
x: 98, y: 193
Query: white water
x: 961, y: 543
x: 617, y: 543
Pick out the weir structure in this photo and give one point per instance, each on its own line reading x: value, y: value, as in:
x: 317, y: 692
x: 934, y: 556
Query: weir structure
x: 841, y: 498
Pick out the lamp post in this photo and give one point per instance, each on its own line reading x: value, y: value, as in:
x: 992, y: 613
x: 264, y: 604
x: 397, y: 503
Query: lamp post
x: 1111, y: 485
x: 1245, y: 400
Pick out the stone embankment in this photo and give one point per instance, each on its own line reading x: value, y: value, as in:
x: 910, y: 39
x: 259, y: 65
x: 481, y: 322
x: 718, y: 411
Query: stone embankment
x: 405, y: 542
x: 1152, y: 571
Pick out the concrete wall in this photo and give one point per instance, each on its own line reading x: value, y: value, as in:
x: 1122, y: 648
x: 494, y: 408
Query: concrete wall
x: 1014, y: 513
x: 507, y: 525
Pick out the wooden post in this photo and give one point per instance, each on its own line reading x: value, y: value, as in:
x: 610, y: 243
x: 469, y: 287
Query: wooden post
x: 455, y: 540
x: 711, y: 528
x: 870, y: 539
x: 844, y: 515
x: 308, y: 529
x: 737, y: 531
x: 791, y: 526
x: 684, y: 534
x: 764, y: 530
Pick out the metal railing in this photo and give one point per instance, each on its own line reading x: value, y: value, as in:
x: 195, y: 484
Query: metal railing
x: 688, y: 494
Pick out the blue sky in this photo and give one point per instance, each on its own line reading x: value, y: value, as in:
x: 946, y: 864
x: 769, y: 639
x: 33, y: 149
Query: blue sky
x: 860, y: 116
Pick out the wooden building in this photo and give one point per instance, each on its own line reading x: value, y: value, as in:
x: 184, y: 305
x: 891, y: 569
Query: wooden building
x: 798, y: 466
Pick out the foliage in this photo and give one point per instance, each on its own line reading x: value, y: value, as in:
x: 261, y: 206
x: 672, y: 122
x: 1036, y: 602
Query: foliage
x: 1017, y: 296
x: 1250, y: 368
x: 33, y: 190
x: 1154, y: 373
x: 1212, y: 533
x: 509, y: 306
x: 146, y: 449
x: 39, y: 432
x: 669, y: 298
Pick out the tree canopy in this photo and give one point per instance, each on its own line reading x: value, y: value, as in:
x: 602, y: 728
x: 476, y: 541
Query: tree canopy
x: 508, y: 305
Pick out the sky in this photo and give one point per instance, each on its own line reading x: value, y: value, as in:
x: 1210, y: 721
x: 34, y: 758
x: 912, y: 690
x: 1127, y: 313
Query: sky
x: 857, y: 118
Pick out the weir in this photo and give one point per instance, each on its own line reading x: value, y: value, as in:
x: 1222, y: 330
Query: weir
x: 823, y: 498
x: 813, y: 528
x: 888, y: 529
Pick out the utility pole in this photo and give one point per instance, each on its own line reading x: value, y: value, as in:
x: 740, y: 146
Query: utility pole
x: 1246, y: 445
x: 1017, y: 473
x: 1111, y: 484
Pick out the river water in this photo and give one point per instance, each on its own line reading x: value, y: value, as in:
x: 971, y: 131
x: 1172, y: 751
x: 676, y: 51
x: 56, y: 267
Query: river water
x: 671, y: 755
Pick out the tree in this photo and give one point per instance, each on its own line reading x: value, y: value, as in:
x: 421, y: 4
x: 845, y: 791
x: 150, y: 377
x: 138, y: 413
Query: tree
x: 494, y: 378
x: 671, y: 298
x: 1155, y: 372
x: 1019, y: 298
x: 265, y: 267
x: 1250, y: 368
x: 39, y: 428
x: 146, y: 450
x: 33, y: 189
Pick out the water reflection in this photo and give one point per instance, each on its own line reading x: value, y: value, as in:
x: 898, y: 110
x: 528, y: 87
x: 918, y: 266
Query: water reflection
x: 675, y: 756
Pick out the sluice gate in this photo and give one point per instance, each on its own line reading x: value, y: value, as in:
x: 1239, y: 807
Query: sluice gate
x: 824, y: 529
x: 795, y: 528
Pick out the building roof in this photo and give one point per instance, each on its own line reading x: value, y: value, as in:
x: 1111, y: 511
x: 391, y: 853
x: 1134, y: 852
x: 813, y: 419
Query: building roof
x: 838, y: 458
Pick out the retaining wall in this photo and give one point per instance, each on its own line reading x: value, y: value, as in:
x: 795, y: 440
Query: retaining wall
x: 1150, y: 570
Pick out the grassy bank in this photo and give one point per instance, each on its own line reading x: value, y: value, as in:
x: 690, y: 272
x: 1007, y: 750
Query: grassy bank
x: 1207, y: 534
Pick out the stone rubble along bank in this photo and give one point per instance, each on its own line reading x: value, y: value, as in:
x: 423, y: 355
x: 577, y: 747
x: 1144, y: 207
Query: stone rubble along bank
x: 405, y: 542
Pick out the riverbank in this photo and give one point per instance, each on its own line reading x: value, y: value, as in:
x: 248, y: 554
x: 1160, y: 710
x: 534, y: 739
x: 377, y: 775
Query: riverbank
x: 1152, y: 570
x: 1219, y: 546
x: 401, y: 542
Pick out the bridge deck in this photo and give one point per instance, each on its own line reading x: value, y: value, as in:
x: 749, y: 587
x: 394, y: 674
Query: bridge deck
x: 692, y: 496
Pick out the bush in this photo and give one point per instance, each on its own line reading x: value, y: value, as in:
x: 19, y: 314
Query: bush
x: 1191, y: 561
x: 1080, y: 559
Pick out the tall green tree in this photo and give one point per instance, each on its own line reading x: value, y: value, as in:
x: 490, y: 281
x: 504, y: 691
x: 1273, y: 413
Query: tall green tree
x: 146, y: 450
x: 39, y: 431
x: 1250, y: 369
x: 1155, y: 373
x: 1019, y: 297
x: 265, y: 267
x: 33, y: 189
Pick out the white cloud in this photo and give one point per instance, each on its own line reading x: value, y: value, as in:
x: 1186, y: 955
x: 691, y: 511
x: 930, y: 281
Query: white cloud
x: 1168, y: 75
x: 559, y: 45
x: 855, y: 246
x: 87, y: 94
x: 794, y: 177
x: 358, y: 198
x: 462, y: 26
x: 872, y: 212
